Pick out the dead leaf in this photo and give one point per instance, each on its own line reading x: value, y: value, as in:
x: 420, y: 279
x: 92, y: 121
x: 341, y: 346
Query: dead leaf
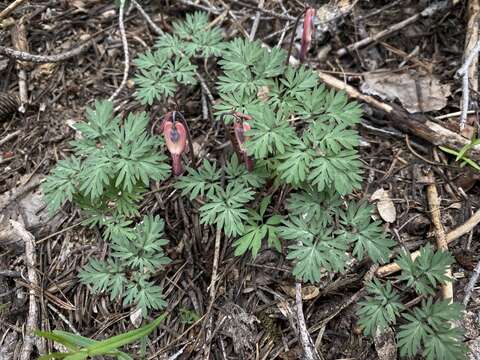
x: 467, y: 178
x: 416, y: 93
x: 386, y: 208
x: 263, y: 93
x: 240, y: 327
x: 44, y: 71
x: 136, y: 317
x: 309, y: 292
x: 6, y: 23
x: 198, y: 145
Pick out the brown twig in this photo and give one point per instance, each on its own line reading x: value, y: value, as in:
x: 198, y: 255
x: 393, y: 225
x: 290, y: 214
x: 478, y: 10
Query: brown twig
x: 471, y: 284
x: 20, y: 43
x: 212, y: 292
x: 10, y: 136
x: 32, y: 316
x: 265, y: 11
x: 434, y: 205
x: 471, y: 40
x: 453, y: 235
x: 24, y: 56
x: 201, y: 7
x: 310, y: 353
x: 469, y: 70
x: 429, y: 11
x: 10, y: 8
x: 419, y: 125
x: 256, y: 21
x: 149, y: 20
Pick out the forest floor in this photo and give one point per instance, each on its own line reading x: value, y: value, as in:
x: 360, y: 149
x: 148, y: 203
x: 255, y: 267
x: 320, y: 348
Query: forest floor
x: 413, y: 67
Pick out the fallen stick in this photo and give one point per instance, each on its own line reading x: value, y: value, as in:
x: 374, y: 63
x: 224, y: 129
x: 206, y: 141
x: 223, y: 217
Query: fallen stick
x: 429, y: 11
x: 10, y: 8
x: 309, y: 351
x: 126, y: 59
x: 419, y: 125
x: 25, y: 56
x: 256, y: 21
x: 149, y: 20
x: 453, y: 235
x: 434, y: 205
x: 212, y: 292
x: 471, y: 284
x: 20, y: 43
x: 32, y: 316
x: 471, y: 40
x: 10, y: 136
x: 468, y: 71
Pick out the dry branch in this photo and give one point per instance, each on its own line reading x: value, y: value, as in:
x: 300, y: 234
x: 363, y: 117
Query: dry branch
x: 471, y: 40
x: 126, y: 59
x: 256, y: 21
x: 32, y: 316
x: 25, y: 56
x: 20, y: 43
x: 434, y: 204
x: 419, y: 125
x: 453, y: 235
x: 212, y: 292
x: 310, y: 353
x: 429, y: 11
x: 471, y: 284
x: 149, y: 20
x: 468, y: 71
x: 10, y: 8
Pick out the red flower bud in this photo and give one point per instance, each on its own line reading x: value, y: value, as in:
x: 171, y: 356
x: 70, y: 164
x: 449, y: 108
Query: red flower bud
x: 307, y: 32
x: 240, y: 126
x: 176, y: 140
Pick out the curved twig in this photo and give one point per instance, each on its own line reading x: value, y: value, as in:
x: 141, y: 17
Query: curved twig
x: 126, y: 60
x: 24, y: 56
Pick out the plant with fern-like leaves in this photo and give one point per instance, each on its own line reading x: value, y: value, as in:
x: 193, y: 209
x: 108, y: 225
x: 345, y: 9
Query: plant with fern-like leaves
x: 298, y: 134
x: 293, y: 140
x: 427, y: 328
x: 172, y: 64
x: 111, y: 168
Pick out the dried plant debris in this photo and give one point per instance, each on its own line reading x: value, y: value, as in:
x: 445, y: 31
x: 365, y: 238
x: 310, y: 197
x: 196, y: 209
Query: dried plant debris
x: 329, y: 14
x: 9, y: 104
x: 416, y: 92
x: 240, y: 327
x: 385, y: 344
x: 385, y: 205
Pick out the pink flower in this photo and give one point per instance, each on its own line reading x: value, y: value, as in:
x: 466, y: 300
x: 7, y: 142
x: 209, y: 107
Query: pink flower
x: 175, y: 135
x: 240, y: 126
x: 307, y: 33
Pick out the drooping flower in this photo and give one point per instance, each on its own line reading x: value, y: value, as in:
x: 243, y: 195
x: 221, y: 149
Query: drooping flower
x: 307, y: 33
x: 175, y: 135
x: 240, y: 126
